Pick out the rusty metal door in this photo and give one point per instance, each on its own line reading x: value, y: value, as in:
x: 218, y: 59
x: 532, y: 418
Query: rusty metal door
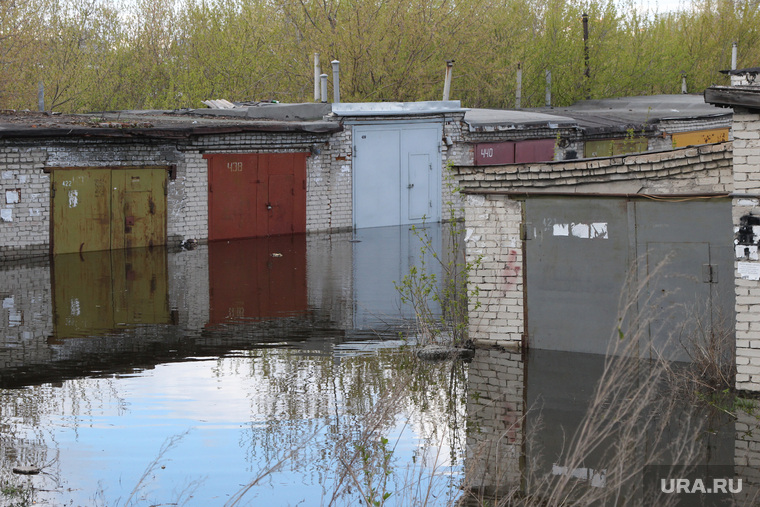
x: 138, y: 208
x: 108, y: 208
x: 252, y: 195
x: 81, y: 210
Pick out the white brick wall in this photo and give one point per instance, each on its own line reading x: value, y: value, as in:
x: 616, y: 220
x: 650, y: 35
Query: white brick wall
x: 747, y: 181
x: 493, y: 236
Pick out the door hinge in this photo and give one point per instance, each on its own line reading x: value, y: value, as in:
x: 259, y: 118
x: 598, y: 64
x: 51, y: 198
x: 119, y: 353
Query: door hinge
x: 525, y: 231
x: 52, y: 192
x: 430, y: 166
x: 709, y: 273
x: 354, y: 154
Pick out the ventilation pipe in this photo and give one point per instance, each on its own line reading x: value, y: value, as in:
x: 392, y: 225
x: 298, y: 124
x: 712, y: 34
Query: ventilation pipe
x: 518, y: 95
x: 733, y: 56
x: 447, y: 81
x: 336, y: 81
x: 548, y: 88
x: 683, y: 83
x: 41, y: 96
x: 317, y: 72
x: 587, y: 72
x: 323, y: 80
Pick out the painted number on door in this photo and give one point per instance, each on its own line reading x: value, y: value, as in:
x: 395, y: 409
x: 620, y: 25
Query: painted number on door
x: 235, y: 167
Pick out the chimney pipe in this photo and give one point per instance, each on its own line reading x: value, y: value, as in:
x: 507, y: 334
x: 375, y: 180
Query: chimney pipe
x: 336, y: 81
x: 518, y: 95
x: 587, y: 72
x: 683, y: 83
x: 447, y: 81
x: 323, y: 80
x: 548, y: 88
x: 41, y: 96
x: 733, y: 56
x: 317, y: 72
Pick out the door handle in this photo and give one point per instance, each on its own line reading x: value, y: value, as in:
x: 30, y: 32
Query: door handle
x: 410, y: 185
x: 269, y: 206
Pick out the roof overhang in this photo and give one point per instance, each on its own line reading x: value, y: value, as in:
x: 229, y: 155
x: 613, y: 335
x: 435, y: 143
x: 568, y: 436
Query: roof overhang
x: 734, y: 96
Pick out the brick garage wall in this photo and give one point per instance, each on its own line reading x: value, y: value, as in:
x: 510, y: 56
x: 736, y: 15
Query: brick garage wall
x: 747, y: 181
x: 496, y: 409
x: 25, y: 232
x: 493, y: 243
x: 494, y: 218
x: 26, y: 205
x: 328, y: 169
x: 704, y: 169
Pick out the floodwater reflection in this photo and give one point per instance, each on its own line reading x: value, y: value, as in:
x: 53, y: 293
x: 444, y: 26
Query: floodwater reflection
x: 156, y: 376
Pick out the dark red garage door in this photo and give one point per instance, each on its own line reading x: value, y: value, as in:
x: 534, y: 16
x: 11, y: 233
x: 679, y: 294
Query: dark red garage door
x: 256, y: 194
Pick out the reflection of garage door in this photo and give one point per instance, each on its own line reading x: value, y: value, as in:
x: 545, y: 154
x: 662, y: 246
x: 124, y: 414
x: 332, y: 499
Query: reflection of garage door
x: 258, y: 278
x: 108, y: 208
x: 256, y: 194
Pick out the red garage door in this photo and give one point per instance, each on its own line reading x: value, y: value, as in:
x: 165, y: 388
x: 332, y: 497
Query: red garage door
x: 256, y: 194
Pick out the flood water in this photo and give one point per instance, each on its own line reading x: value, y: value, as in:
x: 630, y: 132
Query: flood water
x: 278, y: 371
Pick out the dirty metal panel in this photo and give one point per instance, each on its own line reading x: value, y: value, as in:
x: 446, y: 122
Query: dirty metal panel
x: 696, y: 137
x: 257, y: 278
x: 139, y: 208
x: 494, y: 153
x: 140, y: 286
x: 586, y: 256
x: 534, y: 150
x: 681, y: 239
x: 81, y: 210
x: 611, y: 147
x: 629, y: 145
x: 576, y: 269
x: 282, y: 192
x: 233, y: 180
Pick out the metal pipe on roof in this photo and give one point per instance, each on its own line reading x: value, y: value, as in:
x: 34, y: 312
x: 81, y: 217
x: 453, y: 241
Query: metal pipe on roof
x: 683, y: 83
x: 733, y: 56
x: 587, y: 72
x: 548, y: 88
x: 518, y: 94
x: 317, y: 73
x: 447, y: 80
x: 41, y: 96
x: 323, y: 80
x: 336, y: 81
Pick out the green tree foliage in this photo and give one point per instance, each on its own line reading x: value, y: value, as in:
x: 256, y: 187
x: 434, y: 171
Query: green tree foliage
x: 103, y: 54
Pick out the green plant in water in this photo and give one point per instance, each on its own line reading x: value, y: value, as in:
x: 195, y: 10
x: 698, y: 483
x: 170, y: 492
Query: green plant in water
x: 422, y: 289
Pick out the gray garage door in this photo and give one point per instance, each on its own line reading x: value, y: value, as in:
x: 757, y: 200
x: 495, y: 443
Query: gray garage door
x: 585, y: 257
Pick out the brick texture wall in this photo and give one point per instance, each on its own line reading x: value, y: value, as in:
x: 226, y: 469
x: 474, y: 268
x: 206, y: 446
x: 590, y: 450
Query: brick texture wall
x: 747, y: 181
x: 495, y: 404
x: 494, y: 220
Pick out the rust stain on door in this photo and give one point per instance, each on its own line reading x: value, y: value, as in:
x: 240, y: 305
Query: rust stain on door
x: 108, y: 208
